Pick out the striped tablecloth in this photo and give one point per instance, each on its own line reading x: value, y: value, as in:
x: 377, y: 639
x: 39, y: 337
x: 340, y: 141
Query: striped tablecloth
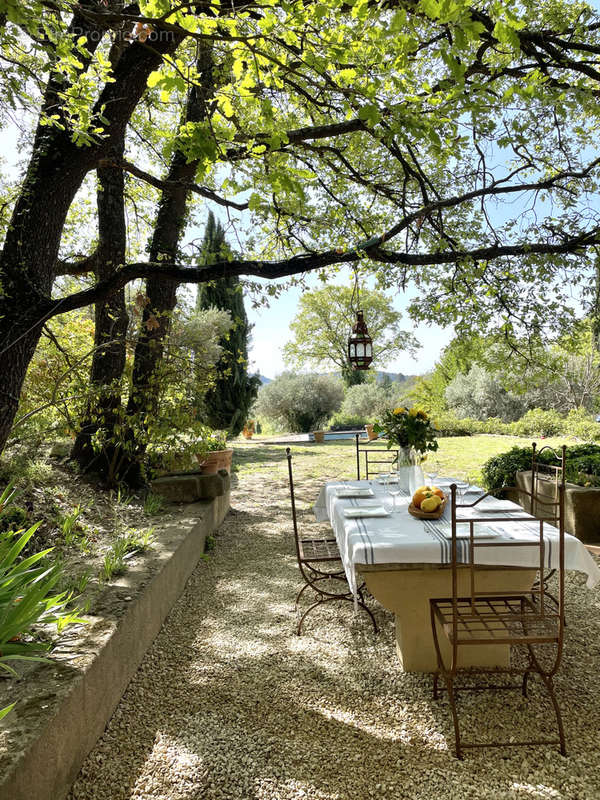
x: 402, y: 539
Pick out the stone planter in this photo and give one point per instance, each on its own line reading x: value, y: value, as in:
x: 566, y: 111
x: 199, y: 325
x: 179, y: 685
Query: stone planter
x: 214, y: 461
x: 370, y: 435
x: 319, y: 436
x: 189, y: 487
x: 582, y: 506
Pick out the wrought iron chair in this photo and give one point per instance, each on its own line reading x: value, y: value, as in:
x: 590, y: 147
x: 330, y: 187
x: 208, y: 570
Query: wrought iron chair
x: 524, y: 619
x: 376, y: 460
x: 313, y: 555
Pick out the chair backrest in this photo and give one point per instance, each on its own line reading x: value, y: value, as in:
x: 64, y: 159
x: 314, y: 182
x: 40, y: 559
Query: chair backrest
x: 547, y: 476
x: 288, y: 453
x: 376, y: 460
x: 546, y: 553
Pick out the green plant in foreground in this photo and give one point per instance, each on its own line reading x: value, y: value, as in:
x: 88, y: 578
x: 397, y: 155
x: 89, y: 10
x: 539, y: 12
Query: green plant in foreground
x: 69, y: 526
x: 114, y: 561
x: 26, y: 596
x: 81, y: 584
x: 6, y: 710
x: 153, y: 504
x: 123, y: 549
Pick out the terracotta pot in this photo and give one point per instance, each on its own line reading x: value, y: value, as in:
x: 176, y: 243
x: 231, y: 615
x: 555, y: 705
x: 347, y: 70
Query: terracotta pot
x: 319, y: 436
x: 371, y: 436
x: 247, y: 434
x: 216, y: 460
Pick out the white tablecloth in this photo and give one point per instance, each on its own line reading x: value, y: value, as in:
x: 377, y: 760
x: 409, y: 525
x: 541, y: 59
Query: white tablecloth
x: 402, y: 539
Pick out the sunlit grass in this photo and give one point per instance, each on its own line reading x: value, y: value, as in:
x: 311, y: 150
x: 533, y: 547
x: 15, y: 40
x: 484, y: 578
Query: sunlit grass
x: 337, y: 459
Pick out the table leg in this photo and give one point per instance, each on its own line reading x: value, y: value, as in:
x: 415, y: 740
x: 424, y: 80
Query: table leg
x: 406, y: 593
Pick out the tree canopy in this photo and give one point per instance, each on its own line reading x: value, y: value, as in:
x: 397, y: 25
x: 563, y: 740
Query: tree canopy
x: 434, y: 142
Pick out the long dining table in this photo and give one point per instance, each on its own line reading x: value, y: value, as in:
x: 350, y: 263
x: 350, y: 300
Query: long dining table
x: 404, y: 561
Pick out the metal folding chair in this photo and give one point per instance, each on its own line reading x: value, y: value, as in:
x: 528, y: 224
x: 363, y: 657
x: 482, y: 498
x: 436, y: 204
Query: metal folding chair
x: 376, y: 459
x: 527, y: 619
x: 313, y: 555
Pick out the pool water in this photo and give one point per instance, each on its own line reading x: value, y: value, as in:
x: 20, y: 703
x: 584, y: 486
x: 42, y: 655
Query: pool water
x: 329, y: 435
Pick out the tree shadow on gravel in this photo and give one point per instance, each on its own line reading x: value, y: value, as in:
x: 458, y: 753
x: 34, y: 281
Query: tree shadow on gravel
x: 231, y: 704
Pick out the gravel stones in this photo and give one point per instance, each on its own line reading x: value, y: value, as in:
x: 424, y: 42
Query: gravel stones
x: 230, y: 704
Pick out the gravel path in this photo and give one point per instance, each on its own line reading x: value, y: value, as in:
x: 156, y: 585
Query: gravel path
x: 229, y: 703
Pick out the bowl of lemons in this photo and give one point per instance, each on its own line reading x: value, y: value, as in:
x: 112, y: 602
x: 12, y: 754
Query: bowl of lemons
x: 428, y: 502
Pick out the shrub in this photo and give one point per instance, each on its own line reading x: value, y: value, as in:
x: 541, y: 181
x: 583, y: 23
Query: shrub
x: 370, y: 401
x: 501, y: 470
x: 538, y: 422
x: 585, y: 470
x: 582, y: 425
x: 346, y: 422
x: 300, y: 403
x: 449, y: 425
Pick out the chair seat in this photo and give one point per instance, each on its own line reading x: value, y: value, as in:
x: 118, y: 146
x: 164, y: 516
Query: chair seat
x: 497, y: 620
x: 318, y: 550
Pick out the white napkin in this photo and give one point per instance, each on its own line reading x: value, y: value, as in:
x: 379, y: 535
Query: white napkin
x: 366, y: 511
x: 357, y: 491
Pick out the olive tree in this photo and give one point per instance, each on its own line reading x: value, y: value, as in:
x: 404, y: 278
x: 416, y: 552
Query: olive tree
x: 300, y: 403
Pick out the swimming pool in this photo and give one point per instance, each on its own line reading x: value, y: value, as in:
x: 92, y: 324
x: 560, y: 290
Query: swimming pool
x: 330, y: 435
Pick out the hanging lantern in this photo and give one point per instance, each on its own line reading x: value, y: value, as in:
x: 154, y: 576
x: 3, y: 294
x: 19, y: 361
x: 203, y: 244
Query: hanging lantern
x: 360, y: 344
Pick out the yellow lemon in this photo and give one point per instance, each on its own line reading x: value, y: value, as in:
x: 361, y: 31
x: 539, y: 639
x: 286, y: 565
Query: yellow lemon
x: 431, y: 503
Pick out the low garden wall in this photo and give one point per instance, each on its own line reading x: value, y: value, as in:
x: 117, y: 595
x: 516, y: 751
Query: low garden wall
x: 582, y: 506
x: 62, y: 708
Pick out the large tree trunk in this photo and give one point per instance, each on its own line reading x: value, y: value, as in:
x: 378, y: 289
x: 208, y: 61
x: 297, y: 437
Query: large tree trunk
x: 162, y: 294
x: 108, y: 361
x: 56, y: 172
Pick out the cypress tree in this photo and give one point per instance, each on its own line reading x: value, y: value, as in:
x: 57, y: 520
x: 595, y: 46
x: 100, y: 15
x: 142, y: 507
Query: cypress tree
x: 227, y: 403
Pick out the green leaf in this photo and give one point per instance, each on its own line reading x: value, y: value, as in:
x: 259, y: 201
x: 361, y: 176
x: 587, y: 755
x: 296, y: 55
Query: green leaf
x: 6, y: 710
x: 506, y: 34
x: 369, y: 113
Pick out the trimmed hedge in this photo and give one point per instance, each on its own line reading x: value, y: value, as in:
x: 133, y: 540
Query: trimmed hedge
x: 537, y: 422
x: 582, y: 466
x: 346, y: 422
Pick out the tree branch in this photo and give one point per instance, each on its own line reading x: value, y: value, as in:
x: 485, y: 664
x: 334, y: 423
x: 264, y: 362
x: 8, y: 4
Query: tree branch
x: 170, y: 185
x: 273, y: 270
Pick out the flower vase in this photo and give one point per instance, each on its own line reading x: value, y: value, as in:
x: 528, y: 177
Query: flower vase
x: 410, y: 474
x: 417, y: 478
x: 404, y: 467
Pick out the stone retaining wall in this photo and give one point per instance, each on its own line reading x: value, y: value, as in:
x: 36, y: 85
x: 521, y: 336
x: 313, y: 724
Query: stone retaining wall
x: 63, y: 709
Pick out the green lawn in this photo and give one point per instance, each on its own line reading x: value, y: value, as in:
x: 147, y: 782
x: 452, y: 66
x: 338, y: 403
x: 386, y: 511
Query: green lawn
x: 337, y: 459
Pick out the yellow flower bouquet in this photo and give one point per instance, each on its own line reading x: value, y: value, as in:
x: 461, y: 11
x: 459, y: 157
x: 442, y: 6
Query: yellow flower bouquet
x: 408, y: 428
